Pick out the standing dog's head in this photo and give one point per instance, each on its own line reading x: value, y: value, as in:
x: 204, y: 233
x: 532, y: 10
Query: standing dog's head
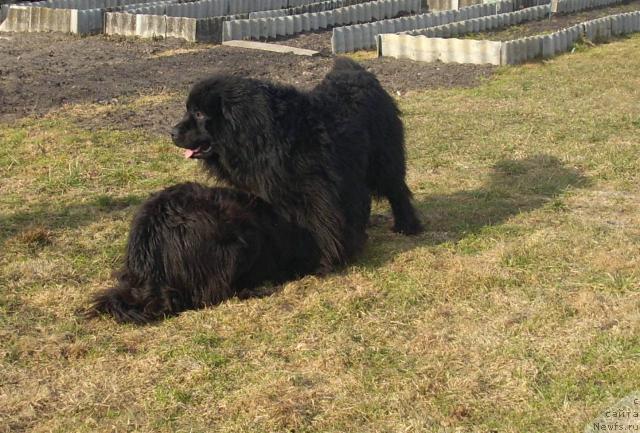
x: 224, y: 113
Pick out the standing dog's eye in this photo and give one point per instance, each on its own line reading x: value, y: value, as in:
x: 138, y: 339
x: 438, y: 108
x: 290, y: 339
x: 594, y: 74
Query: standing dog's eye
x: 199, y: 115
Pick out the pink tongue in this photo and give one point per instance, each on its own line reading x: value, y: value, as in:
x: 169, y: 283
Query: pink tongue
x: 188, y: 153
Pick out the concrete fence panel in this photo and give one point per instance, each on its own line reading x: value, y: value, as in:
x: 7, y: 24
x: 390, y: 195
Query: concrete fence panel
x: 68, y: 16
x: 268, y: 14
x: 353, y: 14
x: 182, y: 28
x: 425, y: 49
x: 4, y: 10
x: 39, y: 19
x: 147, y: 26
x: 429, y: 49
x: 503, y: 11
x: 369, y: 31
x: 17, y: 20
x: 491, y: 22
x: 120, y: 23
x: 84, y: 4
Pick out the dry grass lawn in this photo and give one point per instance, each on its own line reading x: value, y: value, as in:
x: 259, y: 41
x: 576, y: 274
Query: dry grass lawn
x: 517, y: 311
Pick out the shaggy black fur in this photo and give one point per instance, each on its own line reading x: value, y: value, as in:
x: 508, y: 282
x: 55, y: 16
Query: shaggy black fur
x: 192, y: 246
x: 317, y: 157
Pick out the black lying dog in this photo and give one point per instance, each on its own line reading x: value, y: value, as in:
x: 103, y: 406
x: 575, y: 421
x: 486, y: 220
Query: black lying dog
x: 316, y: 157
x: 191, y: 246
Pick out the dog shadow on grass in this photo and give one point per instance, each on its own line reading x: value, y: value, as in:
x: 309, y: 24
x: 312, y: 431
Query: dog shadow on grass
x: 34, y: 228
x: 515, y: 186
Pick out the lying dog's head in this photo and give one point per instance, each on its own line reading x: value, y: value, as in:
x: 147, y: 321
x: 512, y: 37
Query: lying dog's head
x: 222, y: 112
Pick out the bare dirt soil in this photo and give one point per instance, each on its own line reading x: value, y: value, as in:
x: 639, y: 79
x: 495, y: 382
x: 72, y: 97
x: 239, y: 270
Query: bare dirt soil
x: 40, y: 72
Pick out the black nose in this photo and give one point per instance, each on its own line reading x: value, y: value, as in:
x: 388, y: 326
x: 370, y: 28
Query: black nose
x: 174, y: 133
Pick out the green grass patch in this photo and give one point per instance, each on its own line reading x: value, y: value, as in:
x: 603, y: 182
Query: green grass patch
x: 516, y: 310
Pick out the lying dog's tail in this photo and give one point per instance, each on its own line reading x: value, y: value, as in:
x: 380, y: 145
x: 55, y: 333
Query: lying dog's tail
x: 129, y: 304
x: 117, y: 302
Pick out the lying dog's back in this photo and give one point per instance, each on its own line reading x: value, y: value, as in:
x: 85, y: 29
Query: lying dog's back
x: 191, y: 246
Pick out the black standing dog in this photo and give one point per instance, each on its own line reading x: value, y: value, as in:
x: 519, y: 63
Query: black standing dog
x: 192, y: 246
x: 317, y: 157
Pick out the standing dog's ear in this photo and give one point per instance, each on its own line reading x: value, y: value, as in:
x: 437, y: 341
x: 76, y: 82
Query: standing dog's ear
x: 211, y: 104
x: 231, y: 112
x: 233, y: 103
x: 244, y: 105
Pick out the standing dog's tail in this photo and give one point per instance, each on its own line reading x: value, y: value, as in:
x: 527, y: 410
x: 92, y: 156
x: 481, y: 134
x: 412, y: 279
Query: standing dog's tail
x: 346, y: 64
